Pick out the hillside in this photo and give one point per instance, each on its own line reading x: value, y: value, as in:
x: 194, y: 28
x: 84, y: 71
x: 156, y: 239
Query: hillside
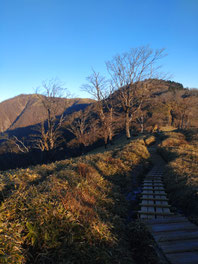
x: 180, y: 150
x: 72, y: 211
x: 165, y: 103
x: 84, y: 208
x: 28, y: 110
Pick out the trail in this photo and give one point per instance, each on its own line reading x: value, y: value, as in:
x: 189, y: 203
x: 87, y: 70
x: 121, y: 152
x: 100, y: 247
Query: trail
x: 175, y: 236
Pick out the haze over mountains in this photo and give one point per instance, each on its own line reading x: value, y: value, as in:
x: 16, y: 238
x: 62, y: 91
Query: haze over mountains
x: 27, y: 110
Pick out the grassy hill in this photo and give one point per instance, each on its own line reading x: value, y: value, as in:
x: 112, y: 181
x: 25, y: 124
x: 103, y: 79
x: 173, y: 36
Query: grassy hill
x: 180, y: 149
x: 79, y: 210
x: 72, y: 211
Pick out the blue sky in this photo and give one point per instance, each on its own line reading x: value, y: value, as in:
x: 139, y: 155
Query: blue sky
x: 64, y: 39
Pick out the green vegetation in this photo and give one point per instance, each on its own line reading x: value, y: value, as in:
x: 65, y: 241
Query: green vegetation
x: 71, y: 211
x: 181, y: 179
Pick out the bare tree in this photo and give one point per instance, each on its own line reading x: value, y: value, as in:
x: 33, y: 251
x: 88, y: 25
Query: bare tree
x: 183, y: 109
x: 51, y: 95
x: 20, y: 144
x: 140, y: 113
x: 126, y: 71
x: 77, y: 124
x: 101, y: 90
x: 140, y: 118
x: 13, y: 144
x: 179, y: 105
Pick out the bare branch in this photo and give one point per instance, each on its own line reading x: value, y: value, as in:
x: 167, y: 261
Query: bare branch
x: 129, y: 69
x: 51, y: 93
x: 102, y: 90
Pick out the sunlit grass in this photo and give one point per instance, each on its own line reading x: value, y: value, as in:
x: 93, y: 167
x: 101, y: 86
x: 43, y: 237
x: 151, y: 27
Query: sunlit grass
x: 71, y: 211
x: 182, y: 174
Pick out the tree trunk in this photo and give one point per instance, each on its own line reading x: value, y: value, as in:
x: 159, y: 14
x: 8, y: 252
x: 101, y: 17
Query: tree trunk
x: 142, y: 124
x: 127, y: 125
x: 182, y: 121
x: 105, y: 137
x: 110, y: 136
x: 170, y: 117
x: 110, y: 128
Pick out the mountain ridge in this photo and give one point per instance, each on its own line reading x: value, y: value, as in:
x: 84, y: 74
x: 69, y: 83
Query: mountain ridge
x: 27, y: 110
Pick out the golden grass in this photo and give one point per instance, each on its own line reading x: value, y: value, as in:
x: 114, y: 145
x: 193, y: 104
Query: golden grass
x: 71, y: 211
x: 182, y: 174
x: 167, y: 128
x: 119, y: 142
x: 150, y: 140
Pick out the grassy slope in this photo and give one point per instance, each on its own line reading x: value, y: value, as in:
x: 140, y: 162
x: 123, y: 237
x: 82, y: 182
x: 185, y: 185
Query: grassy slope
x: 71, y: 211
x: 181, y: 150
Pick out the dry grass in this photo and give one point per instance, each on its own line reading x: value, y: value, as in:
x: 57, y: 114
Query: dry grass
x: 182, y: 175
x: 150, y: 140
x: 167, y: 128
x: 71, y: 211
x: 119, y: 142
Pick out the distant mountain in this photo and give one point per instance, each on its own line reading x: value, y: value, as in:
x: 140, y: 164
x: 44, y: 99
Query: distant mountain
x: 28, y: 110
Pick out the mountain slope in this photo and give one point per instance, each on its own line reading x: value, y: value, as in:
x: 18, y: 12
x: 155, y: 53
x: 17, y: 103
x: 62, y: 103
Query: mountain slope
x: 28, y: 110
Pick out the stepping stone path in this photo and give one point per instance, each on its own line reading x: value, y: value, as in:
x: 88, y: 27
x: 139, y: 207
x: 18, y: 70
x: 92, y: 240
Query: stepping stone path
x: 176, y: 237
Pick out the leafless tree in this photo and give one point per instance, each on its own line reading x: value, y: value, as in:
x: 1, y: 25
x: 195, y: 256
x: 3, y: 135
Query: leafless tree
x: 179, y: 105
x: 126, y: 71
x: 183, y: 109
x: 140, y: 118
x: 101, y: 90
x: 51, y: 95
x: 13, y: 144
x: 141, y: 113
x: 77, y: 124
x: 20, y: 144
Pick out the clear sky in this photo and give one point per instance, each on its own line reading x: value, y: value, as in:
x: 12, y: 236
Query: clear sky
x: 64, y: 39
